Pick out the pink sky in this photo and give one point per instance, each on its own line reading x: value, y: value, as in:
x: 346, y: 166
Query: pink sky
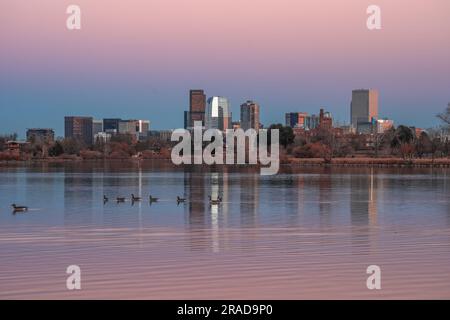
x: 303, y: 53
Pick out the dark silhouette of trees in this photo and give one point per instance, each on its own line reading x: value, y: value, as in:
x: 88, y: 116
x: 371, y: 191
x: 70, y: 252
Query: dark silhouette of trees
x: 56, y: 149
x: 445, y: 116
x: 403, y: 135
x: 286, y: 134
x: 424, y: 145
x: 72, y: 146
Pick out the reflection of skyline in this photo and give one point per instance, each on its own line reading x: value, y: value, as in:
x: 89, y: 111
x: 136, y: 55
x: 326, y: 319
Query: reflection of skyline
x: 364, y: 210
x: 212, y: 220
x: 249, y: 200
x: 325, y: 198
x: 363, y: 199
x: 78, y: 189
x: 401, y: 217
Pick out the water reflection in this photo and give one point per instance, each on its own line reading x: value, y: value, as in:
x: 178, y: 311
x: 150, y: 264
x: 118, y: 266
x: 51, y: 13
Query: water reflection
x: 296, y: 230
x: 78, y: 190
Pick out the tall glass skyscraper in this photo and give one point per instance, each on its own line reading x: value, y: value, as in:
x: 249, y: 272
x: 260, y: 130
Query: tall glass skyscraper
x: 218, y: 114
x: 250, y: 115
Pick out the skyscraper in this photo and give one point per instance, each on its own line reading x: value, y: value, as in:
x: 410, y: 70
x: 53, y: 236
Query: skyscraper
x: 111, y: 125
x: 302, y: 120
x: 197, y: 105
x: 138, y: 129
x: 364, y: 107
x: 325, y: 119
x: 218, y: 114
x: 79, y: 128
x: 97, y: 127
x: 250, y: 115
x: 297, y: 120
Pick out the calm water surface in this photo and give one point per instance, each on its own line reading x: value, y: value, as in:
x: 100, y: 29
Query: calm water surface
x: 304, y: 233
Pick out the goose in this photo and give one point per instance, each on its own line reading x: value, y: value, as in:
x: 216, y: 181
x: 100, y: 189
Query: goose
x: 181, y: 199
x: 105, y: 199
x: 120, y: 199
x: 19, y: 208
x: 152, y: 199
x: 211, y: 201
x: 133, y: 198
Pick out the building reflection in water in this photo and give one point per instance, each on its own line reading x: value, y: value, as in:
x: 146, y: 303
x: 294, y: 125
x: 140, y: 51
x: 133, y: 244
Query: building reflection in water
x: 205, y: 219
x: 78, y: 190
x: 194, y: 190
x: 325, y: 198
x: 249, y: 199
x: 363, y: 199
x: 363, y: 210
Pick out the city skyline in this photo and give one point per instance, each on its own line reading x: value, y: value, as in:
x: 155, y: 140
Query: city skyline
x: 287, y: 56
x: 338, y: 122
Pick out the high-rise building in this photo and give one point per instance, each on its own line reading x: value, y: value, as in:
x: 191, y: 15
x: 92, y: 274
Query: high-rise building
x: 79, y: 128
x: 197, y: 101
x: 144, y: 128
x: 97, y: 127
x: 39, y: 135
x: 301, y: 120
x: 111, y: 125
x: 250, y: 115
x: 364, y: 107
x: 218, y: 114
x: 197, y: 106
x: 136, y: 128
x: 297, y: 120
x: 325, y: 119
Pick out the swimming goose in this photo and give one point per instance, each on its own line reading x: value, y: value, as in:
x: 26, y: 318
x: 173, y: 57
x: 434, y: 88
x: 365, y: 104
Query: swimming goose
x: 120, y: 199
x: 152, y: 199
x: 105, y: 199
x: 133, y: 198
x: 211, y: 201
x: 180, y: 199
x: 19, y: 208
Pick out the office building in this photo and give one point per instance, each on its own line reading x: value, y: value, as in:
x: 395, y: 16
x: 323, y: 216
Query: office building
x: 363, y: 107
x: 38, y: 135
x: 218, y: 114
x: 97, y: 127
x: 102, y: 137
x: 367, y: 127
x: 302, y: 120
x: 136, y: 128
x: 384, y: 125
x: 250, y: 115
x: 325, y: 120
x: 79, y: 128
x: 197, y: 106
x: 297, y: 120
x: 111, y: 125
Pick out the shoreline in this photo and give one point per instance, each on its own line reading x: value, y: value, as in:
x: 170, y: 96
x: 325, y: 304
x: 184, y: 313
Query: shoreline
x: 372, y: 162
x: 293, y: 162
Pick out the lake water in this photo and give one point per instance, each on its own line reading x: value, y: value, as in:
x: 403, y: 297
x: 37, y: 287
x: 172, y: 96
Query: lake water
x: 304, y: 233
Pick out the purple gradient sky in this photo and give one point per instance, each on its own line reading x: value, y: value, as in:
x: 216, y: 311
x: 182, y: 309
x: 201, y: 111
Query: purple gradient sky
x: 138, y: 59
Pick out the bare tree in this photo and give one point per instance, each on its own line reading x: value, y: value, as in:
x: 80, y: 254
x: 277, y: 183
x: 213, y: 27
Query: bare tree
x: 445, y: 116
